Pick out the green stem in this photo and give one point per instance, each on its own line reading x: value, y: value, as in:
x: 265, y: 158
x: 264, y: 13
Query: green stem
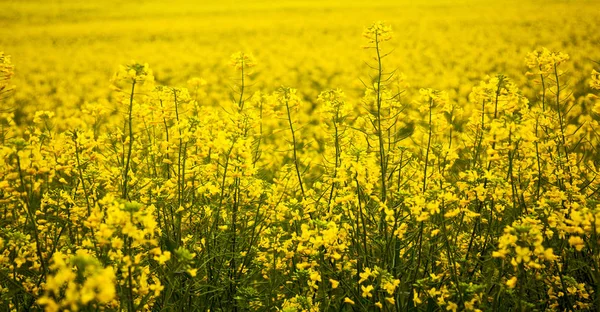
x: 130, y: 147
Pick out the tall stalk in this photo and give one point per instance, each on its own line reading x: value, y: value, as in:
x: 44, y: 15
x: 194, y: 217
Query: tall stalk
x: 125, y: 194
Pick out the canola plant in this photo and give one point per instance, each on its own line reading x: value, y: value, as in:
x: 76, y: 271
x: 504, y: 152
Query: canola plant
x: 445, y: 159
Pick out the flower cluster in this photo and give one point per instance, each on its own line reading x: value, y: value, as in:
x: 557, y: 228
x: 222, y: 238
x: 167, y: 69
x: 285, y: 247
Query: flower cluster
x: 378, y: 32
x: 6, y: 72
x: 543, y: 61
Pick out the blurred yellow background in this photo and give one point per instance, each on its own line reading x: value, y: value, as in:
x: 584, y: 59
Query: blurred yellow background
x: 66, y: 51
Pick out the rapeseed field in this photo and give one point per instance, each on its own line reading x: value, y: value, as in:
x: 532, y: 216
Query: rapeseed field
x: 300, y: 155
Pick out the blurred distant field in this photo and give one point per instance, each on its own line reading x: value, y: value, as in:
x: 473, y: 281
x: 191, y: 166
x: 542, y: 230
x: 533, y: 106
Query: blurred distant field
x: 74, y: 47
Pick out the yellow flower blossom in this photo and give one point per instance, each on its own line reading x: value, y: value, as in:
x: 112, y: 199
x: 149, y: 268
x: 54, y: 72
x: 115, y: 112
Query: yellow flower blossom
x: 512, y: 282
x: 366, y: 291
x: 577, y: 242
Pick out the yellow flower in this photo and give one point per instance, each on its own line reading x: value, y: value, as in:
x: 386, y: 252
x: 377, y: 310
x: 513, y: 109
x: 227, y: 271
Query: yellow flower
x: 499, y: 253
x: 242, y: 61
x: 390, y: 286
x: 511, y: 283
x: 452, y: 306
x: 378, y: 32
x: 192, y: 272
x: 302, y: 265
x: 105, y: 286
x: 543, y: 61
x: 334, y: 283
x: 49, y: 304
x: 366, y: 291
x: 315, y: 276
x: 348, y: 300
x: 133, y: 72
x: 549, y: 254
x: 416, y: 298
x: 6, y: 72
x: 523, y: 254
x: 576, y: 242
x: 365, y: 275
x: 163, y: 257
x: 595, y: 83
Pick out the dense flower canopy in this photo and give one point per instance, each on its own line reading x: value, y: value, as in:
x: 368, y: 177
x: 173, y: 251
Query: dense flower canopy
x: 424, y: 173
